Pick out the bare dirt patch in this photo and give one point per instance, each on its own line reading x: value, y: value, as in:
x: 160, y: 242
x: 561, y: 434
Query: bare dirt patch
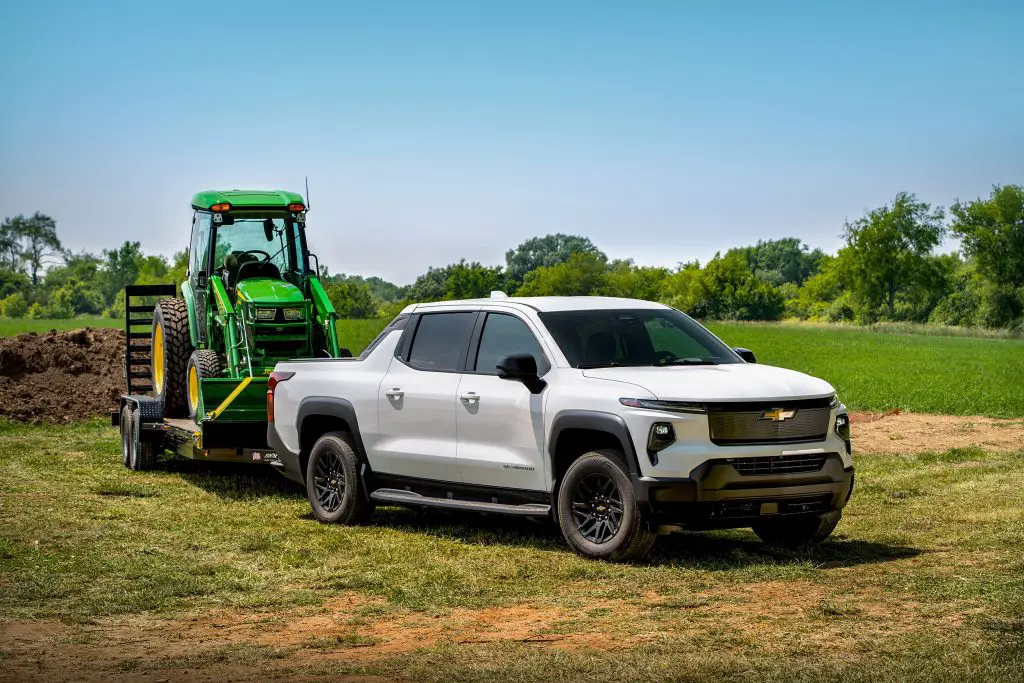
x: 61, y: 376
x: 896, y: 433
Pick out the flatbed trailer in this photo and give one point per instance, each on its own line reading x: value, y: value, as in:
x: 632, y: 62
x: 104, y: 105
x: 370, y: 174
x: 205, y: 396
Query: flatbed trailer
x: 145, y: 433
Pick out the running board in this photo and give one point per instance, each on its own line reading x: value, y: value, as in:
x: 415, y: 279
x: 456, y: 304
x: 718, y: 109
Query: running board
x: 400, y: 497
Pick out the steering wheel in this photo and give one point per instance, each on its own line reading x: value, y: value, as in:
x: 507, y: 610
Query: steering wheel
x: 242, y: 267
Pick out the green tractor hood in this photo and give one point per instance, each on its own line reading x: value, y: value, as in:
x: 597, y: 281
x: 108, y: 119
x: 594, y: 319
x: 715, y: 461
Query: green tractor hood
x: 265, y: 290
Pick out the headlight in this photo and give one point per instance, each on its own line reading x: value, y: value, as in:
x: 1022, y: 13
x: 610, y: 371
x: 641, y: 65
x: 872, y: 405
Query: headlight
x: 293, y: 314
x: 843, y: 426
x: 670, y: 406
x: 266, y: 314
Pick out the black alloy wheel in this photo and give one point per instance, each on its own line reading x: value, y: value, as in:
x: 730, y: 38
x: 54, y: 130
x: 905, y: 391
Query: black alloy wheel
x: 597, y: 507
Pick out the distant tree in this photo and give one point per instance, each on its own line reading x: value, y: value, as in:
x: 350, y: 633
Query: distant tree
x: 782, y: 260
x: 546, y: 251
x: 728, y: 290
x: 581, y: 275
x: 887, y: 251
x: 122, y: 267
x: 992, y: 232
x: 624, y: 278
x: 12, y: 280
x: 460, y: 280
x: 351, y: 299
x: 32, y: 241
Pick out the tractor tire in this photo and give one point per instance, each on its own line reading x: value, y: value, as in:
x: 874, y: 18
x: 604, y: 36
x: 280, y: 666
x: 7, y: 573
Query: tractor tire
x: 172, y: 347
x: 202, y: 363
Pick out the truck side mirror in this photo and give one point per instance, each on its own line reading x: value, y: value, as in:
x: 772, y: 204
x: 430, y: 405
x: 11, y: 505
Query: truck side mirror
x: 745, y: 354
x: 521, y: 367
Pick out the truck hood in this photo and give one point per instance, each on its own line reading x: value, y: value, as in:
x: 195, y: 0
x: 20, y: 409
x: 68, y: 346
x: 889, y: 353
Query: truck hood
x: 265, y: 290
x: 715, y: 383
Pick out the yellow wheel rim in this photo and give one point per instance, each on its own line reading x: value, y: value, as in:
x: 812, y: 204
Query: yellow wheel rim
x: 193, y: 388
x: 158, y: 358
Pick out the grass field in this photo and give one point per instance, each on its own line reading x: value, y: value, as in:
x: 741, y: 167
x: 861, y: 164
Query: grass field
x: 872, y: 370
x: 156, y: 574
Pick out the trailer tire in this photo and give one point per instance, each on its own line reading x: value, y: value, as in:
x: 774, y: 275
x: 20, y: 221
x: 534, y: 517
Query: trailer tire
x: 203, y: 363
x: 171, y: 348
x: 332, y: 481
x: 127, y: 436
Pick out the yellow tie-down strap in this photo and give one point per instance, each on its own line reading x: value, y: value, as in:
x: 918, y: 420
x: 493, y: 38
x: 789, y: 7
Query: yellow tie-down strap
x: 231, y: 397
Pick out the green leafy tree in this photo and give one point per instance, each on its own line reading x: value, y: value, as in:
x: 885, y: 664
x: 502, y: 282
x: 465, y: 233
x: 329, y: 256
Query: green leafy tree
x: 887, y: 251
x: 121, y: 267
x: 544, y: 252
x: 32, y: 241
x: 460, y: 280
x: 12, y: 280
x: 582, y: 275
x: 783, y: 260
x: 624, y: 278
x: 352, y: 299
x: 14, y: 305
x: 992, y: 233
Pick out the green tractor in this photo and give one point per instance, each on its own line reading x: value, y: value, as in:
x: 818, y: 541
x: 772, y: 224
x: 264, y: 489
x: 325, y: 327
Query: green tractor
x: 252, y: 298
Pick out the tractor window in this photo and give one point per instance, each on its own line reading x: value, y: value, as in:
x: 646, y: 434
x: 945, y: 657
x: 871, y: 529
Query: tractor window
x: 200, y: 242
x: 243, y: 250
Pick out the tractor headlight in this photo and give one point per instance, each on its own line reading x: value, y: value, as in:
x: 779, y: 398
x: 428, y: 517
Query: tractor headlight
x: 293, y: 314
x: 266, y: 314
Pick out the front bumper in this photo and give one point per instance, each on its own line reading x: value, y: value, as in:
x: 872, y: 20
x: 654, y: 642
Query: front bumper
x: 717, y: 496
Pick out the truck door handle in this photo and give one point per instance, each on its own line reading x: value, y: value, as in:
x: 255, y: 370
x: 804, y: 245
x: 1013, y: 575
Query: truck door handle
x: 394, y: 393
x: 469, y: 397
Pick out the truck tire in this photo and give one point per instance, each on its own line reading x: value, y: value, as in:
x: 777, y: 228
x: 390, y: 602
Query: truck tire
x: 172, y: 347
x: 597, y: 509
x: 332, y: 481
x: 201, y: 364
x: 794, y: 532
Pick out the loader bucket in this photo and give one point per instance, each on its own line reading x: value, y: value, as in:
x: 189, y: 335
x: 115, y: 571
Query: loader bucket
x: 223, y: 399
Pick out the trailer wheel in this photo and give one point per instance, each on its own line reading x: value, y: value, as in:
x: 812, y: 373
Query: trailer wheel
x: 171, y: 349
x: 127, y: 436
x: 202, y: 364
x: 332, y: 481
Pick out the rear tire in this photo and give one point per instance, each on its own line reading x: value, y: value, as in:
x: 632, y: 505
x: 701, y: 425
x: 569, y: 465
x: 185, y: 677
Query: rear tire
x: 333, y: 486
x: 598, y: 512
x: 202, y: 363
x: 171, y: 348
x: 796, y: 532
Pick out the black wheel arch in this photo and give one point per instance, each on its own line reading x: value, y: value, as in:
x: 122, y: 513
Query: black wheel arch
x: 317, y: 415
x: 584, y: 431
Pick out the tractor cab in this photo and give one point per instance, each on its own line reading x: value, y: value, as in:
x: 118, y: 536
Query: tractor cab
x: 251, y: 299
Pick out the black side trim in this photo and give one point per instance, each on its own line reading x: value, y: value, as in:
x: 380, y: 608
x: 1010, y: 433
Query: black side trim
x: 596, y: 421
x: 457, y: 490
x: 312, y: 406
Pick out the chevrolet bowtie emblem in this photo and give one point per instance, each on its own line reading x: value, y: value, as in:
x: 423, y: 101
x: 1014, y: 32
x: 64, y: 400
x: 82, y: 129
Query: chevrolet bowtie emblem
x: 777, y: 414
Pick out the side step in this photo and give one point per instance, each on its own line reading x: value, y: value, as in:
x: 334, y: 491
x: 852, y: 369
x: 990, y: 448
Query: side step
x: 399, y: 497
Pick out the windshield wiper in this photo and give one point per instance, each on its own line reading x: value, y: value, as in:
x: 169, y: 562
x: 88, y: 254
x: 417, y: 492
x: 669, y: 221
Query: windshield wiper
x: 609, y: 364
x: 688, y: 361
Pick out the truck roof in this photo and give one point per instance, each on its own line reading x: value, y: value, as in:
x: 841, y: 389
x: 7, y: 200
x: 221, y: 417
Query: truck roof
x: 543, y: 304
x: 270, y: 199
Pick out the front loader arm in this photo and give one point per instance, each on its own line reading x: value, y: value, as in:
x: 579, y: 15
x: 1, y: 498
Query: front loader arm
x: 227, y: 315
x: 326, y: 315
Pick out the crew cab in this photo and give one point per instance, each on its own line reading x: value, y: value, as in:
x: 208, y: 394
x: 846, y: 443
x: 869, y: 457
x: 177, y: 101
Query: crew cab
x: 617, y: 418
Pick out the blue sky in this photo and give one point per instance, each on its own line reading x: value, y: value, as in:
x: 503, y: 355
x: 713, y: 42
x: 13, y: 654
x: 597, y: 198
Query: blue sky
x: 432, y: 131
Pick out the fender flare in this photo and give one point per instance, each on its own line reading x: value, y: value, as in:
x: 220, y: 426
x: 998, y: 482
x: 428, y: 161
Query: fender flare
x: 597, y: 421
x: 312, y: 406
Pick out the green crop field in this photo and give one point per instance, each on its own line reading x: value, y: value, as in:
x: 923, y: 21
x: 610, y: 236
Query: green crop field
x: 154, y: 575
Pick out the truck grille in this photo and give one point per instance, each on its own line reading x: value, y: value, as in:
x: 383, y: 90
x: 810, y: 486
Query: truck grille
x: 778, y: 464
x: 745, y: 424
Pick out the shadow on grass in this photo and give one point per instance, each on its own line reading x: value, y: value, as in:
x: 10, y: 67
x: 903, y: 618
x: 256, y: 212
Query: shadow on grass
x: 717, y: 550
x: 235, y: 481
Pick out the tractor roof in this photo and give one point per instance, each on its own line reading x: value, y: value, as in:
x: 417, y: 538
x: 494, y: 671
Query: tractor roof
x: 256, y: 199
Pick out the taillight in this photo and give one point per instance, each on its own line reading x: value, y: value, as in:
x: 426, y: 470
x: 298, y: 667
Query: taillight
x: 275, y: 378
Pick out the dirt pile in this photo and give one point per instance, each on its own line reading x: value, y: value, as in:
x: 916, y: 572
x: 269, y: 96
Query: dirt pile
x: 61, y: 376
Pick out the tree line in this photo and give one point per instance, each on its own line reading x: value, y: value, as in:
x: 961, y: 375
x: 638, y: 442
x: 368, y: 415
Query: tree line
x: 887, y: 270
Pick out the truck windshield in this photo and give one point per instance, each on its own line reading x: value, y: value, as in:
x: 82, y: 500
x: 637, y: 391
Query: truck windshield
x: 636, y: 337
x: 246, y: 241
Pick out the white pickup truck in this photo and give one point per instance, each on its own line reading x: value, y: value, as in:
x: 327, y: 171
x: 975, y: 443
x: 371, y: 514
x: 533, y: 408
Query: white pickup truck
x: 619, y: 419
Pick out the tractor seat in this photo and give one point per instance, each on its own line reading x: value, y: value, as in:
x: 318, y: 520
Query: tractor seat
x: 240, y: 267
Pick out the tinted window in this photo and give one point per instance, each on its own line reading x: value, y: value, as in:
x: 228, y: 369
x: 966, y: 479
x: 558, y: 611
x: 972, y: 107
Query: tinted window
x: 441, y: 340
x: 634, y: 337
x: 397, y: 324
x: 505, y: 335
